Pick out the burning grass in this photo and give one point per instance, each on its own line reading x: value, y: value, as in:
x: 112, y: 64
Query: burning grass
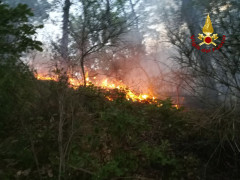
x: 107, y: 85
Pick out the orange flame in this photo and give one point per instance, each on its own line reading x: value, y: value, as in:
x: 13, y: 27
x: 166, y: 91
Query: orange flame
x: 106, y: 84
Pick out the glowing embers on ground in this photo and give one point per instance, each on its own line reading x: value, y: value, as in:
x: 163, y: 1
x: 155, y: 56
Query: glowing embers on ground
x: 106, y: 84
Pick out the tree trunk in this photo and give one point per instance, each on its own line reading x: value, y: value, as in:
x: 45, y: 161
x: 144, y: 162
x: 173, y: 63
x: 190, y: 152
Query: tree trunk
x: 65, y: 64
x: 60, y: 136
x: 65, y: 31
x: 83, y: 72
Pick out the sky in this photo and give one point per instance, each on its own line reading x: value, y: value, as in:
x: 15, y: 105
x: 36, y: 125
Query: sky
x: 52, y: 28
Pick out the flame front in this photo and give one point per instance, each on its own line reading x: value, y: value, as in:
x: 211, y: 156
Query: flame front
x: 130, y: 95
x: 106, y: 84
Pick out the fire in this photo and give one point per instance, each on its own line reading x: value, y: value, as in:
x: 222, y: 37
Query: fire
x: 176, y: 106
x: 130, y: 95
x: 107, y: 84
x: 46, y: 78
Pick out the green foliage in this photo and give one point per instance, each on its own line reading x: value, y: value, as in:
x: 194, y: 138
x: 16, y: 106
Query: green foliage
x: 17, y: 90
x: 15, y: 77
x: 15, y: 32
x: 111, y: 169
x: 39, y: 8
x: 111, y: 139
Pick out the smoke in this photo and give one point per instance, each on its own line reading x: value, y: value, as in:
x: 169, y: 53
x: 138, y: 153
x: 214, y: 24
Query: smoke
x: 141, y: 61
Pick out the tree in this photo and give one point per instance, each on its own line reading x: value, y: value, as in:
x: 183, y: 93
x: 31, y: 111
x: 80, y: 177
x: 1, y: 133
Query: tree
x: 15, y: 33
x: 16, y: 37
x: 99, y: 26
x: 65, y: 30
x: 220, y: 67
x: 16, y: 80
x: 39, y: 8
x: 208, y: 74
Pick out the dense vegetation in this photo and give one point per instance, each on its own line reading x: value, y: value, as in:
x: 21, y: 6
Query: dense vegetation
x: 109, y: 139
x: 102, y: 139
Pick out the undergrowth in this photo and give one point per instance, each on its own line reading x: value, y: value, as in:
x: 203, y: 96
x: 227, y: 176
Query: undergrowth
x: 117, y: 139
